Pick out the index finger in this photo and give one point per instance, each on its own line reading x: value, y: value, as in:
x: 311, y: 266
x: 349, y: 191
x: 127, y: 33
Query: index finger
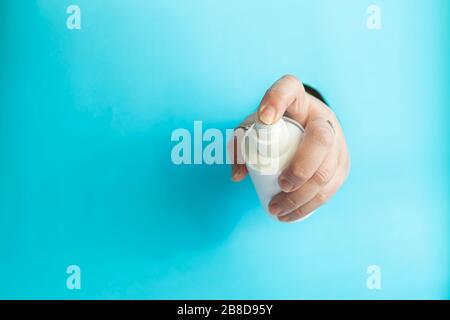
x: 287, y: 95
x: 317, y: 143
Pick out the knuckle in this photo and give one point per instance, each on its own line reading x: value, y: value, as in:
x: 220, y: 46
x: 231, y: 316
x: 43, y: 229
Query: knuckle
x: 322, y: 176
x: 274, y: 95
x: 299, y: 173
x: 290, y: 201
x: 293, y: 79
x: 322, y: 198
x: 324, y: 135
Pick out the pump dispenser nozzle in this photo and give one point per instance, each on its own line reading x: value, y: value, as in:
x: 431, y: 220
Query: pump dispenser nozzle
x: 267, y: 151
x: 274, y: 138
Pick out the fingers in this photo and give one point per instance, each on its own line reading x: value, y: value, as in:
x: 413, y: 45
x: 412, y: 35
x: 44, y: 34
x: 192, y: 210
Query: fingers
x: 238, y: 168
x: 238, y: 172
x: 284, y: 203
x: 314, y: 148
x: 321, y: 198
x: 287, y: 95
x: 318, y: 168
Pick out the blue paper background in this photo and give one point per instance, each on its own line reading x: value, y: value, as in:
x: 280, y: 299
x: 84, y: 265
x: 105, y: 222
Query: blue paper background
x: 85, y: 171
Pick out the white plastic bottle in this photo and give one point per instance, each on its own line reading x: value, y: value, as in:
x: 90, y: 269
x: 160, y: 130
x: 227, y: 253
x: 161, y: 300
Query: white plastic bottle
x: 267, y: 151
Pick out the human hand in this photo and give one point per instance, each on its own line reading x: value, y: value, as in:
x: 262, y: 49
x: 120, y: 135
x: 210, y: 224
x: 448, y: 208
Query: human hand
x: 321, y: 163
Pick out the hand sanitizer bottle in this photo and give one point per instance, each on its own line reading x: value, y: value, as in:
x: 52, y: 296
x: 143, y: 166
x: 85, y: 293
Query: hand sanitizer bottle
x: 267, y: 151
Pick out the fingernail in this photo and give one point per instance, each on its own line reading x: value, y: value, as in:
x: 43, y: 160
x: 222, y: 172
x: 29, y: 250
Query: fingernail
x: 284, y: 219
x: 286, y: 185
x: 235, y: 172
x: 267, y: 114
x: 275, y: 209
